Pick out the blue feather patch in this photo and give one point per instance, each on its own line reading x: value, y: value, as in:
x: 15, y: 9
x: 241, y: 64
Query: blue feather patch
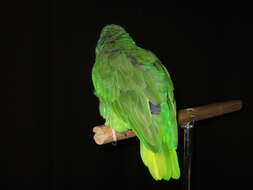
x: 154, y: 108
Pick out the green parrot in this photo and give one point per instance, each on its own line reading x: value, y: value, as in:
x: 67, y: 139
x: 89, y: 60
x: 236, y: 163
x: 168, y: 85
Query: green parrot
x: 135, y: 92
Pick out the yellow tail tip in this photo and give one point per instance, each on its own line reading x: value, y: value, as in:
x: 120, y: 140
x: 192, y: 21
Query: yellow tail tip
x: 162, y: 165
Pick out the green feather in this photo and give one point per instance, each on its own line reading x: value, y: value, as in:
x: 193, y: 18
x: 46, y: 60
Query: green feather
x: 126, y: 79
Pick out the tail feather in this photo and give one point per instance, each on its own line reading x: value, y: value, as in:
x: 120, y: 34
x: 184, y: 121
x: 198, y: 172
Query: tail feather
x: 162, y: 164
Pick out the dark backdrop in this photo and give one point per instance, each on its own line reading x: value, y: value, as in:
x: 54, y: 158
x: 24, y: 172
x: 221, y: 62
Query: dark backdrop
x: 48, y: 142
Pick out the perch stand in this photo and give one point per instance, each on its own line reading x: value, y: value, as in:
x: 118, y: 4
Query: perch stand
x: 186, y: 119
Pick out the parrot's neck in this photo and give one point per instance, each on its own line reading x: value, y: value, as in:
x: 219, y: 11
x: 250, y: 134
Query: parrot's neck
x: 123, y: 41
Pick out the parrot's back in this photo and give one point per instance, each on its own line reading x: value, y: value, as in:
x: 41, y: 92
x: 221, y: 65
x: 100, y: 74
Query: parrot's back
x: 135, y: 92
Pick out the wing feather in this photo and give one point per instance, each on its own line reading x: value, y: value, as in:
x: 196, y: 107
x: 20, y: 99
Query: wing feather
x: 126, y: 85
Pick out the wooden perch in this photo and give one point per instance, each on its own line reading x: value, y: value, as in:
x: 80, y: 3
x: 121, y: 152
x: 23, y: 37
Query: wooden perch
x: 104, y: 135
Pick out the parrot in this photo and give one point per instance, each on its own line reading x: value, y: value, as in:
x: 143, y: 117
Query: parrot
x: 135, y: 92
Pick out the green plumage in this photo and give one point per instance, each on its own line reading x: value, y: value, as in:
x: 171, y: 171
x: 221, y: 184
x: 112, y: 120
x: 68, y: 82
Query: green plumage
x: 135, y: 92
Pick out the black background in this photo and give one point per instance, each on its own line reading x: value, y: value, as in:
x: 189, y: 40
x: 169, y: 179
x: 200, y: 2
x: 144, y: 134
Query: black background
x: 48, y: 142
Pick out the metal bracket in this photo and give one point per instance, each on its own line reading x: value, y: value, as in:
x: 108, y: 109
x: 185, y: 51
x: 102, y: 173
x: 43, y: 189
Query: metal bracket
x: 187, y: 153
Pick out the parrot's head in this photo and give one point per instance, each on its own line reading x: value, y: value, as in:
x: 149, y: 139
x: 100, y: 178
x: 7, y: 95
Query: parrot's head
x: 111, y: 35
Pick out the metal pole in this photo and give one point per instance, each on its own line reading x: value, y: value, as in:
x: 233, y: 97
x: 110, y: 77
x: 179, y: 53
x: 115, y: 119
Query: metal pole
x: 187, y: 154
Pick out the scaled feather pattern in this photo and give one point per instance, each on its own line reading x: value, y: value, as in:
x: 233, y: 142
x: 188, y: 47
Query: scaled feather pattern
x: 135, y: 92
